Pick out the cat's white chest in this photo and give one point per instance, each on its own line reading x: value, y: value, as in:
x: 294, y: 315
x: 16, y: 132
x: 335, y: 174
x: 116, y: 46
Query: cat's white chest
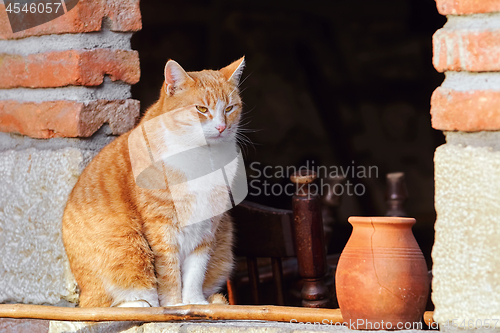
x: 191, y: 236
x: 205, y: 193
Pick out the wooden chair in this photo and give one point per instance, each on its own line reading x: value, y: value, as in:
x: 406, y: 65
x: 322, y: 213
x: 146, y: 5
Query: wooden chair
x: 264, y: 232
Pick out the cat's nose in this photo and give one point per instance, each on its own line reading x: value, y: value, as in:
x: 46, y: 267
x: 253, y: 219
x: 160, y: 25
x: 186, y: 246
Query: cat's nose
x: 221, y: 128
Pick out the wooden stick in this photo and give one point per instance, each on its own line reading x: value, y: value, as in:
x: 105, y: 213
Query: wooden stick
x: 175, y: 313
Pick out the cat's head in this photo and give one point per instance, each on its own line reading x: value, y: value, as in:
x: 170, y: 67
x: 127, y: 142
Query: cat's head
x: 209, y: 98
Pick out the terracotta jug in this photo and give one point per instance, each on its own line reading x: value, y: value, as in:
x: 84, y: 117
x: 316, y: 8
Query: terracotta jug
x: 382, y: 280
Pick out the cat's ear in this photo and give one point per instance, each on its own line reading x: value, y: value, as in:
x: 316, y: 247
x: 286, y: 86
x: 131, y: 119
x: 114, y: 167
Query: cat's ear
x: 233, y: 72
x: 175, y: 77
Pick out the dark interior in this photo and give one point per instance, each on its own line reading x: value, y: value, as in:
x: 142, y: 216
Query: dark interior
x: 335, y: 83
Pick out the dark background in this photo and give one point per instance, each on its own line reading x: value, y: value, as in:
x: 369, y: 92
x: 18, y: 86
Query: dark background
x: 326, y: 81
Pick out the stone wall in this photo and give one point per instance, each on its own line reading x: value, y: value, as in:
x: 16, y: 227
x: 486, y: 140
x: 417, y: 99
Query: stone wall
x: 466, y: 107
x: 64, y: 94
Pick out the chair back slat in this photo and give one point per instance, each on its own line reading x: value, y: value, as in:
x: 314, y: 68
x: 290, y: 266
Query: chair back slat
x: 253, y: 277
x: 263, y: 232
x: 278, y: 280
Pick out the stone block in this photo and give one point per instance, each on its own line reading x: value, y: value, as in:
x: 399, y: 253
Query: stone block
x: 466, y: 261
x: 96, y: 327
x: 24, y: 325
x: 34, y: 187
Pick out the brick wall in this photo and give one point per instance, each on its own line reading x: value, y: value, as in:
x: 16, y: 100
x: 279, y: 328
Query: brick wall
x: 466, y: 107
x: 64, y: 94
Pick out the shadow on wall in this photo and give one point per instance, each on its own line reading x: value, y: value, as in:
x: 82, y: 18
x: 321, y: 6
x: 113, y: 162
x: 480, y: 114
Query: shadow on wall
x: 330, y: 83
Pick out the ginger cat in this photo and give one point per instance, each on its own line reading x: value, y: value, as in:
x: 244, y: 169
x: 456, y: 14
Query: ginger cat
x: 125, y: 243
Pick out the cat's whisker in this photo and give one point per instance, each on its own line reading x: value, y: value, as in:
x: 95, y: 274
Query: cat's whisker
x: 241, y: 127
x: 246, y: 118
x: 241, y: 144
x: 241, y: 91
x: 239, y: 85
x: 248, y: 130
x: 241, y: 82
x: 246, y: 112
x: 233, y: 91
x: 242, y: 138
x: 244, y: 146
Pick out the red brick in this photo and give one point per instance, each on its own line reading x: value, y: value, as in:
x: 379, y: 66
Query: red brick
x: 463, y: 50
x: 468, y: 111
x: 87, y: 16
x: 67, y: 118
x: 73, y: 67
x: 125, y: 15
x: 460, y: 7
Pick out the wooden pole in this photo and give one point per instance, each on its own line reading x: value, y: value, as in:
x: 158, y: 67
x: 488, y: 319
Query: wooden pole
x: 175, y: 313
x: 309, y: 241
x: 179, y: 313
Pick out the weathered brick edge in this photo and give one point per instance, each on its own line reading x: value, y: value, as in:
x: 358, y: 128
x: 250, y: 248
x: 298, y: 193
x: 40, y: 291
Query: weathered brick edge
x: 73, y: 67
x: 460, y: 7
x: 67, y: 118
x: 87, y: 16
x: 468, y: 111
x: 464, y: 50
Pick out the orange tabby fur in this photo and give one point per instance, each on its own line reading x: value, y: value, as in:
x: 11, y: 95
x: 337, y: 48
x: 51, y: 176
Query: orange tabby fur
x: 122, y: 240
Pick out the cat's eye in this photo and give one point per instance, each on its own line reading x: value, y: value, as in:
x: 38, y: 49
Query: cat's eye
x: 202, y: 109
x: 229, y: 108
